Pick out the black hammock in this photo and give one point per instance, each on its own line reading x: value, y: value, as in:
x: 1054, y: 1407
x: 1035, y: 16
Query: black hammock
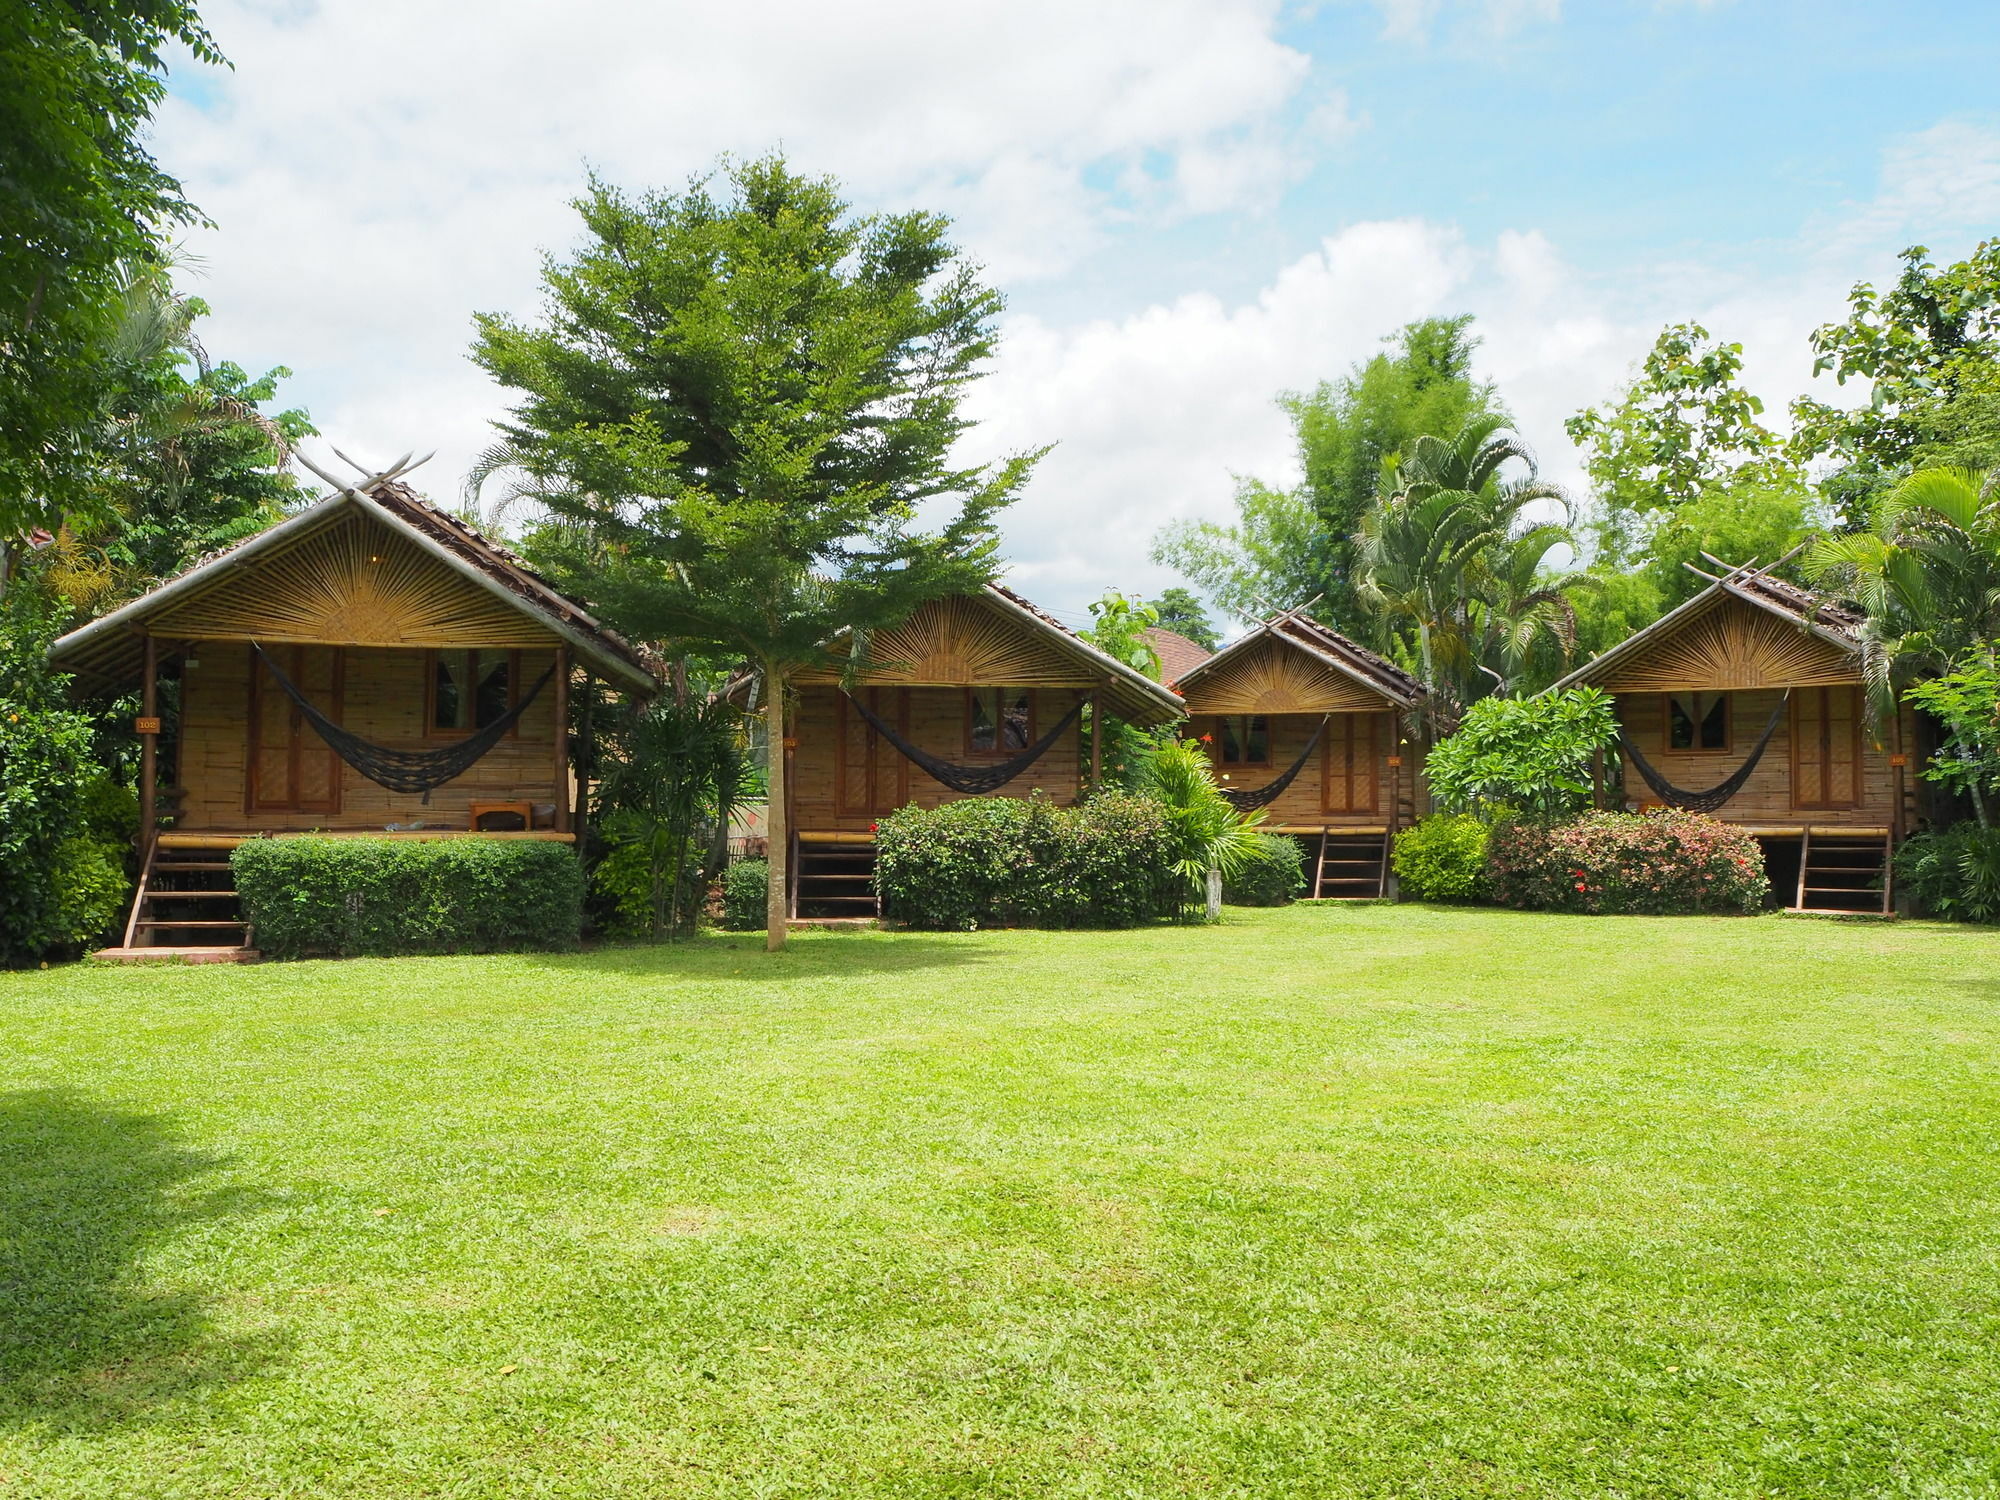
x: 404, y: 770
x: 1722, y: 791
x: 974, y: 781
x: 1248, y: 799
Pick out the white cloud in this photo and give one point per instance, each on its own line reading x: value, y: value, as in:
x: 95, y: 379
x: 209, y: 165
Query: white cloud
x: 381, y: 170
x: 1415, y: 20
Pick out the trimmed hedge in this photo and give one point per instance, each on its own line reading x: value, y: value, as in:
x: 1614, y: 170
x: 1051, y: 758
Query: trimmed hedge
x: 1273, y: 872
x: 1654, y: 864
x: 1008, y: 862
x: 345, y: 898
x: 745, y: 892
x: 1442, y: 858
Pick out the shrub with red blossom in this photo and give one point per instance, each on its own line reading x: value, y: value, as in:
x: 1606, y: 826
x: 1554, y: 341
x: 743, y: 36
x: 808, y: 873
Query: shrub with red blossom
x: 1654, y: 864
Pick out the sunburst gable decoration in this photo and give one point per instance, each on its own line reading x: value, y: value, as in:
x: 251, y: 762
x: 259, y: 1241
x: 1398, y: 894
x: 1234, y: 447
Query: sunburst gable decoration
x: 354, y: 582
x: 1732, y: 646
x: 1271, y: 677
x: 965, y: 642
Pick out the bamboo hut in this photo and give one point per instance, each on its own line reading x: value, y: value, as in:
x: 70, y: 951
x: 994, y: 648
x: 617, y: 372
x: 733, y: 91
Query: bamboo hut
x: 981, y: 695
x: 370, y: 666
x: 1307, y: 724
x: 1747, y: 703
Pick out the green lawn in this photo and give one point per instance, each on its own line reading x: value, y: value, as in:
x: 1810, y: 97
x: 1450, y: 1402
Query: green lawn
x: 1351, y: 1201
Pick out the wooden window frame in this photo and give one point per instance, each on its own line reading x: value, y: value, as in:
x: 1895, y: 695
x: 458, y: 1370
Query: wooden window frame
x: 1728, y: 744
x: 1270, y: 737
x: 254, y: 802
x: 1000, y: 752
x: 431, y: 730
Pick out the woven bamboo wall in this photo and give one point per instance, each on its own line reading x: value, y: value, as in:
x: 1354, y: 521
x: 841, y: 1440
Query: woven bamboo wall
x: 1767, y: 799
x: 1732, y: 645
x: 964, y: 641
x: 383, y: 699
x: 1270, y: 677
x: 1346, y: 782
x: 829, y: 735
x: 354, y: 582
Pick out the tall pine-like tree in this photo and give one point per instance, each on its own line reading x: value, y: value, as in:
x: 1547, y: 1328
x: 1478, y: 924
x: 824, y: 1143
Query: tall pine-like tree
x: 740, y: 407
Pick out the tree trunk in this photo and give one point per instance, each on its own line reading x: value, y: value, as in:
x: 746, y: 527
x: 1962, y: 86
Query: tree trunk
x: 777, y: 906
x: 1214, y: 894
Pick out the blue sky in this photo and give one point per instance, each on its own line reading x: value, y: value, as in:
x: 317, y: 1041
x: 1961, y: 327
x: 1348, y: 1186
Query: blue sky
x: 1192, y: 204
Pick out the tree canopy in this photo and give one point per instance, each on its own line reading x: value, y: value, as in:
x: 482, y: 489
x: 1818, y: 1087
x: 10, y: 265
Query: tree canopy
x: 81, y: 200
x: 1929, y: 349
x: 1291, y: 544
x: 1181, y: 612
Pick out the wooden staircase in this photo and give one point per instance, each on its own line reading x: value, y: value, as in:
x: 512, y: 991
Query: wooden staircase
x: 186, y: 906
x: 1350, y: 864
x: 1845, y: 870
x: 833, y: 878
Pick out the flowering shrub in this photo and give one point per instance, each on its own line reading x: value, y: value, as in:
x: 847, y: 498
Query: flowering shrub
x: 1442, y: 858
x: 1654, y: 864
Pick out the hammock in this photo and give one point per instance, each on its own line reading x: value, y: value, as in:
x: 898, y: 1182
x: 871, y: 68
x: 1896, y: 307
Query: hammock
x: 974, y: 781
x: 1248, y: 799
x: 404, y: 770
x: 1722, y: 791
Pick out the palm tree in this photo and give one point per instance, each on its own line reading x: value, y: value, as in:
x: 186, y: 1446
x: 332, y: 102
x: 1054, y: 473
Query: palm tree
x: 1926, y: 573
x: 1459, y: 570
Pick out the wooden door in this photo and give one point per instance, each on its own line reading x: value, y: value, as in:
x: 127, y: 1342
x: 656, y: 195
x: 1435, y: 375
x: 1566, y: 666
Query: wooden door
x: 1826, y: 748
x: 291, y: 769
x: 871, y: 777
x: 1350, y: 764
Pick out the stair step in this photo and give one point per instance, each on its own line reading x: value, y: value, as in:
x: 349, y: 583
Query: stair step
x: 821, y: 875
x: 169, y: 922
x: 215, y: 867
x: 156, y: 894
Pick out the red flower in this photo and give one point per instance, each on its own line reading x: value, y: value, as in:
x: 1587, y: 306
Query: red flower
x: 1581, y: 886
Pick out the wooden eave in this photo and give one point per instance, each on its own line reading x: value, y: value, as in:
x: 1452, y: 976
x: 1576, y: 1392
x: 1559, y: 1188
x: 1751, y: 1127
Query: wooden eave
x: 110, y: 649
x: 1794, y: 606
x: 1128, y: 692
x: 1364, y: 668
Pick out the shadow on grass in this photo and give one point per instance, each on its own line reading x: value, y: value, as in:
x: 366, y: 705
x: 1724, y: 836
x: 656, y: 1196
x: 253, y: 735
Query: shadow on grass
x: 740, y: 957
x: 85, y: 1191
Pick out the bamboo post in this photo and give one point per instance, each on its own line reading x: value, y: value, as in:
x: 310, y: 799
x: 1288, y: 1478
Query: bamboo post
x: 1898, y: 761
x: 149, y: 751
x: 777, y: 823
x: 1096, y: 740
x: 583, y: 754
x: 562, y: 739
